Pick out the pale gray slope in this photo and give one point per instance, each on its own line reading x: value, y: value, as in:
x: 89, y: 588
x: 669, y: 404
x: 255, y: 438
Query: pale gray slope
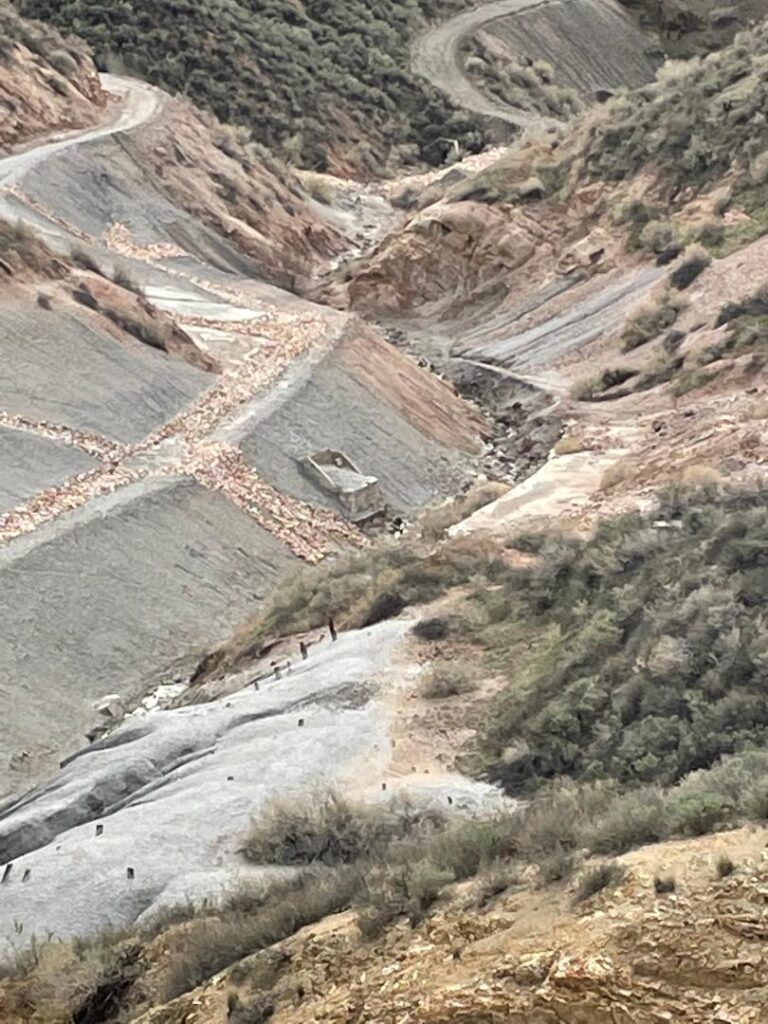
x: 129, y: 589
x: 592, y: 45
x: 584, y: 321
x: 29, y: 464
x: 325, y: 406
x: 58, y: 368
x: 175, y: 790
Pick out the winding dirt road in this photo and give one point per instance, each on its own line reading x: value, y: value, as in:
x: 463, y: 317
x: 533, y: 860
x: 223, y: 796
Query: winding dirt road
x: 436, y: 56
x: 138, y: 104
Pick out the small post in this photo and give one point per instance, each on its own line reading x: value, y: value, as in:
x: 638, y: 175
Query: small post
x: 301, y: 723
x: 450, y: 801
x: 6, y: 873
x: 130, y: 873
x: 27, y: 874
x: 99, y: 830
x: 383, y: 787
x: 332, y: 629
x: 303, y: 649
x: 276, y: 671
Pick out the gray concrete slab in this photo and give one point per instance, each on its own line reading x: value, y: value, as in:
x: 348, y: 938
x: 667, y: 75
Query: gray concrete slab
x: 29, y: 463
x: 127, y: 591
x: 58, y: 368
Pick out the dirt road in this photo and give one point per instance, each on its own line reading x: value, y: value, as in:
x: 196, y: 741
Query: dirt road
x: 137, y: 103
x: 436, y: 56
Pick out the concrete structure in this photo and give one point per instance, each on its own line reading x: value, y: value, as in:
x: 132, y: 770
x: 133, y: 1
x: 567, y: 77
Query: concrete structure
x: 360, y: 496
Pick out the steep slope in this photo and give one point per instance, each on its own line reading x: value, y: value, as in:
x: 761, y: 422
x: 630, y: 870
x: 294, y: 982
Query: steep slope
x: 47, y: 83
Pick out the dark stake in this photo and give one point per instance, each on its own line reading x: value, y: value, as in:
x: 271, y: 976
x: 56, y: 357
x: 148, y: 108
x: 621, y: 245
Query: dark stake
x: 383, y: 786
x: 301, y: 722
x: 26, y: 876
x: 99, y: 830
x: 450, y: 801
x: 6, y: 873
x: 255, y: 684
x: 332, y: 629
x: 130, y: 873
x: 276, y: 670
x: 303, y: 649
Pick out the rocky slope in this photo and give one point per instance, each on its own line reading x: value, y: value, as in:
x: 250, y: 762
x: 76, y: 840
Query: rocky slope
x: 47, y: 83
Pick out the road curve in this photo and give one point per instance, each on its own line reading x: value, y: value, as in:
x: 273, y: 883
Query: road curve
x: 139, y: 103
x: 435, y: 56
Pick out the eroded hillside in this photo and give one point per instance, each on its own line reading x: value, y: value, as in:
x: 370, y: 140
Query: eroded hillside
x: 506, y: 764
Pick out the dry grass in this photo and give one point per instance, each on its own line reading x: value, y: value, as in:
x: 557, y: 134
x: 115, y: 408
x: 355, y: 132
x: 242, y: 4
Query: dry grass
x: 449, y: 678
x: 434, y: 524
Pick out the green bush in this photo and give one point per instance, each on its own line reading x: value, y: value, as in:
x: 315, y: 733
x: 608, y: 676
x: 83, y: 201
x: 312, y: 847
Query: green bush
x: 652, y: 651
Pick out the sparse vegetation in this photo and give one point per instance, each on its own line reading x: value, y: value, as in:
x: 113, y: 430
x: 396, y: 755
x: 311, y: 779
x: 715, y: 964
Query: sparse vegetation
x: 448, y: 678
x: 434, y: 523
x: 598, y: 878
x: 664, y: 884
x: 725, y: 866
x: 528, y: 85
x: 650, y: 320
x: 695, y: 260
x: 350, y: 588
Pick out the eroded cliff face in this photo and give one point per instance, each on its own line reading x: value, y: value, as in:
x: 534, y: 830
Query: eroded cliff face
x: 47, y: 84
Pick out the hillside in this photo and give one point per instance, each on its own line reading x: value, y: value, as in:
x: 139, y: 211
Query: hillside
x: 47, y: 83
x: 325, y: 86
x: 401, y: 545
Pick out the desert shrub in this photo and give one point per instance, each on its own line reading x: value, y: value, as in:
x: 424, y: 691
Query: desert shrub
x: 632, y: 820
x: 651, y: 659
x: 82, y: 258
x: 661, y: 237
x: 650, y: 320
x: 598, y: 878
x: 755, y: 305
x: 124, y: 280
x: 711, y: 235
x: 609, y: 380
x: 695, y: 260
x: 327, y: 829
x: 310, y: 81
x: 214, y: 942
x: 434, y: 523
x: 724, y: 866
x: 63, y: 62
x: 434, y: 628
x: 696, y: 814
x: 448, y: 678
x: 664, y: 884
